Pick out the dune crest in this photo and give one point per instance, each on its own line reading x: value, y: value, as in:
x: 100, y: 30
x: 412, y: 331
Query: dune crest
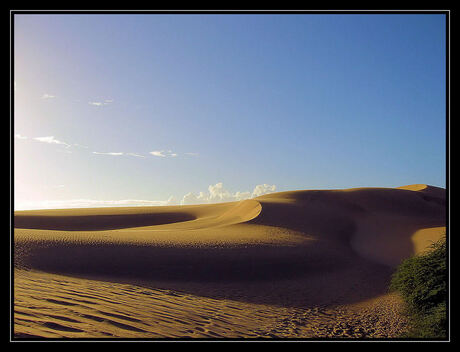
x: 376, y: 223
x: 295, y: 249
x: 415, y: 187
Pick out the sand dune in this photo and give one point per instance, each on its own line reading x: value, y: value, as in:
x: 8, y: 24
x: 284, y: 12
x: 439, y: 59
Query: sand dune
x: 309, y: 254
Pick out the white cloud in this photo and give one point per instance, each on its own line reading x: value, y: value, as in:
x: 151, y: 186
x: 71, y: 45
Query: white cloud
x: 136, y: 155
x: 263, y: 189
x: 163, y: 153
x: 242, y: 195
x: 18, y: 136
x: 159, y: 153
x: 50, y: 140
x: 191, y: 198
x: 114, y: 154
x: 171, y: 201
x: 217, y: 193
x: 48, y: 96
x: 101, y: 103
x: 119, y: 154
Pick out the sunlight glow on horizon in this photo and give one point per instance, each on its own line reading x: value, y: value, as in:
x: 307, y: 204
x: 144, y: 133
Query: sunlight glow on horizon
x: 121, y: 110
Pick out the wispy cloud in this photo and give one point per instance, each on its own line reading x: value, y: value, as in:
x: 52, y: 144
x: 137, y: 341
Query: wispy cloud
x: 120, y: 153
x: 51, y: 140
x: 19, y: 136
x: 101, y: 103
x: 91, y: 203
x: 112, y: 153
x: 192, y: 154
x: 159, y: 153
x: 215, y: 194
x: 48, y: 96
x: 163, y: 153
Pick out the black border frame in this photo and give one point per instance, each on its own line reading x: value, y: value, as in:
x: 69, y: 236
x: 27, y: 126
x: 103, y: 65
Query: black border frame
x: 215, y: 10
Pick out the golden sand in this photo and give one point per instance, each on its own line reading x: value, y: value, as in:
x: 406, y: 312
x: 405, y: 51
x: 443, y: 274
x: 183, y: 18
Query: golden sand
x: 290, y: 264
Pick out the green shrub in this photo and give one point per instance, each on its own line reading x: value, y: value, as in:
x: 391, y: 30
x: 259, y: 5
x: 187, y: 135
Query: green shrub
x: 422, y: 281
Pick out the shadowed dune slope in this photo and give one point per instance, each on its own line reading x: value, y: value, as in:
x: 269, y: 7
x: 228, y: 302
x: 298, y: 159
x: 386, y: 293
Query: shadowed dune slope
x: 99, y: 221
x: 96, y: 219
x: 282, y: 264
x: 305, y: 235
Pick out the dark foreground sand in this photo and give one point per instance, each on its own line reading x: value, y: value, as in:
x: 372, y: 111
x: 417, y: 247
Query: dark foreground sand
x: 295, y: 264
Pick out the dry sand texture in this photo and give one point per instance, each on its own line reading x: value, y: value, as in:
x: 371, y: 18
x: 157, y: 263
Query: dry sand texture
x: 294, y: 264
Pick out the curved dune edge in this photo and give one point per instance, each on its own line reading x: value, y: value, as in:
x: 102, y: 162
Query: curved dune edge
x: 424, y: 238
x: 390, y: 237
x: 291, y: 233
x: 415, y: 187
x: 427, y: 190
x: 99, y: 219
x: 288, y: 256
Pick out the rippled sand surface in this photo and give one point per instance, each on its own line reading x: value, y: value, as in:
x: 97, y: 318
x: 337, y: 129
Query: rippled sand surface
x: 300, y: 264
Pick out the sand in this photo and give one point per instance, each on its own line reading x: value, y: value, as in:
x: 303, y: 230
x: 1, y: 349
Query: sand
x: 300, y: 264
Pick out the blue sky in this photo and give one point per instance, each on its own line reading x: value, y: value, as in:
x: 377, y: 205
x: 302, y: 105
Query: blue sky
x: 155, y: 107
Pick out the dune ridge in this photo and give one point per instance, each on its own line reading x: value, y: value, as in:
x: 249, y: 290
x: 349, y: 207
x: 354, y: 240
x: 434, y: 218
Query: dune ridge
x: 282, y: 251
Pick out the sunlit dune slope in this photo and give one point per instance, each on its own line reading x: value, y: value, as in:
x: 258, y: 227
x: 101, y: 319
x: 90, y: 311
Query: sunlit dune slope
x: 96, y: 219
x: 274, y: 259
x: 277, y: 235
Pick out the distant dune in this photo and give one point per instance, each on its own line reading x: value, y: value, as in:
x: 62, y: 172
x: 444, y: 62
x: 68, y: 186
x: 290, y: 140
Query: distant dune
x: 253, y: 268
